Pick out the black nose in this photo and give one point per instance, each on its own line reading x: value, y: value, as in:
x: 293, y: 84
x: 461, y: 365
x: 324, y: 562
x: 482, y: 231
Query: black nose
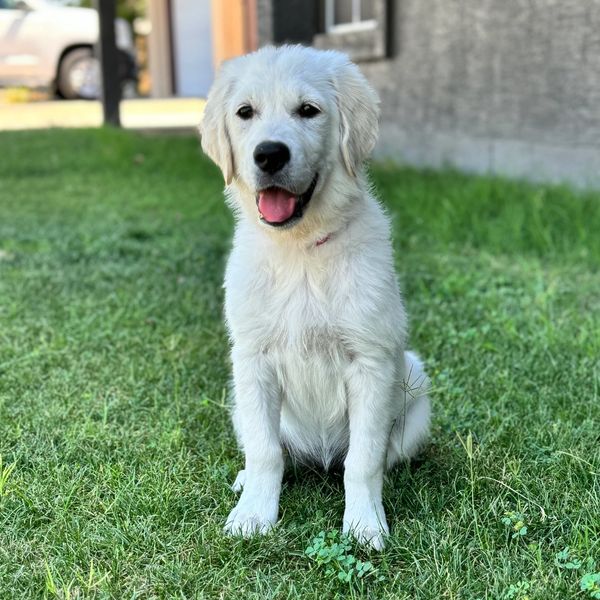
x: 271, y: 156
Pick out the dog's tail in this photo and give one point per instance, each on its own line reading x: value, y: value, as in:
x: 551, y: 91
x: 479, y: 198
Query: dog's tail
x: 412, y: 425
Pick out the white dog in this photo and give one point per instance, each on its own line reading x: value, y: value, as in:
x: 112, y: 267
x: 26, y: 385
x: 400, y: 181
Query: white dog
x: 317, y: 325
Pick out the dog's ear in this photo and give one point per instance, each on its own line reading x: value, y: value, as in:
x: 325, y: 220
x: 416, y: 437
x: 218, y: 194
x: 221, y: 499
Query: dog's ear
x: 358, y: 105
x: 213, y: 128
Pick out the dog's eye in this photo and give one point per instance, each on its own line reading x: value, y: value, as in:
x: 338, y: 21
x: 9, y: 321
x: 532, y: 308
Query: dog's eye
x: 245, y: 112
x: 308, y: 111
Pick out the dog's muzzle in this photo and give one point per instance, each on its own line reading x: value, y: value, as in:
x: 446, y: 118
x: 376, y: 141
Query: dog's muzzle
x: 279, y: 207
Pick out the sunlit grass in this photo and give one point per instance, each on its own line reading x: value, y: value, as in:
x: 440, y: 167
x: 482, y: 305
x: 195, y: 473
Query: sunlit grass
x: 117, y: 453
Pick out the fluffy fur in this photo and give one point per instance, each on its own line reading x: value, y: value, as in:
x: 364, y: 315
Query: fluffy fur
x: 318, y: 329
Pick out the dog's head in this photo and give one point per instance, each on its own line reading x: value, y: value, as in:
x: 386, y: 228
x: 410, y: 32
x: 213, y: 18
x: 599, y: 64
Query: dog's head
x: 286, y: 125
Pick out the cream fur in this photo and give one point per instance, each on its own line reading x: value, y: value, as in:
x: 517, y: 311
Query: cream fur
x: 318, y: 332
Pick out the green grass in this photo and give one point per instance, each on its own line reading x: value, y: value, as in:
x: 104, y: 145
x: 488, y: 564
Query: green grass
x: 116, y: 448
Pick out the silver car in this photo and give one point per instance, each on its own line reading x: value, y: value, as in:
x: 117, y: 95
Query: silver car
x: 48, y: 44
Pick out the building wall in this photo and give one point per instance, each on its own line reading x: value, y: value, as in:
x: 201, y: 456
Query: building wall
x: 264, y: 9
x: 510, y: 87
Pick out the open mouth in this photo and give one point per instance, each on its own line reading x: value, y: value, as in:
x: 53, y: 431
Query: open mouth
x: 279, y: 207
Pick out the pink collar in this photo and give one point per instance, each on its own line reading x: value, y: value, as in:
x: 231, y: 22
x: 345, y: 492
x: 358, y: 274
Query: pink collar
x: 323, y: 240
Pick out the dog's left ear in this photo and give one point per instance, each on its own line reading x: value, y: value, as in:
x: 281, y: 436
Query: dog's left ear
x: 358, y: 104
x: 213, y: 128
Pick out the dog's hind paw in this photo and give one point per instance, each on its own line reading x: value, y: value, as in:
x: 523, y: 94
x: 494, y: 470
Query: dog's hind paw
x: 238, y: 485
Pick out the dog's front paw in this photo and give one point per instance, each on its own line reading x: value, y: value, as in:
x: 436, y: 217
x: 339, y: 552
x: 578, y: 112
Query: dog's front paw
x: 367, y: 525
x: 251, y: 516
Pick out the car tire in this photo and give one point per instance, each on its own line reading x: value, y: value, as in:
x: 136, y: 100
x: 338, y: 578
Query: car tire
x: 79, y: 75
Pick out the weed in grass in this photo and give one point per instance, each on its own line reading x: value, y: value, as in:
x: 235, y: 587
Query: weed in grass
x: 467, y: 444
x: 331, y: 549
x: 590, y: 583
x: 5, y: 473
x: 51, y: 587
x: 518, y: 591
x: 565, y: 559
x: 516, y: 522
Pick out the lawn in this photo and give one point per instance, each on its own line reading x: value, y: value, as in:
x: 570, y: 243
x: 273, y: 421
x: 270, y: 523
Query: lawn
x: 116, y: 449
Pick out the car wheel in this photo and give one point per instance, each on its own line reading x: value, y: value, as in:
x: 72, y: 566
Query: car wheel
x: 79, y: 75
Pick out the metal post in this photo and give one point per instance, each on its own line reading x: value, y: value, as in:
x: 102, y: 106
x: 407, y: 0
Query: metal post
x: 109, y: 62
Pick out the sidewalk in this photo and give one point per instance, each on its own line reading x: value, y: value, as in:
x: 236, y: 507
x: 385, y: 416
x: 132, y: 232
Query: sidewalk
x: 172, y: 113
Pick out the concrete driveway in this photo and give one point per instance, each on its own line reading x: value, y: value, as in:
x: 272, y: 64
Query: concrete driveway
x: 172, y: 113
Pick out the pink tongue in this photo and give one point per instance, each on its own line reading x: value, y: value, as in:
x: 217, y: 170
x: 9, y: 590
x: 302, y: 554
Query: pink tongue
x: 276, y: 205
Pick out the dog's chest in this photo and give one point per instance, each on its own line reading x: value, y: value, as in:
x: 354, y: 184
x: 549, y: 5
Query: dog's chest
x: 281, y: 309
x: 295, y: 319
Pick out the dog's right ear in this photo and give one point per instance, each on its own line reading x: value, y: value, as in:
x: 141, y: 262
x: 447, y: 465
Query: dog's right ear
x: 213, y: 128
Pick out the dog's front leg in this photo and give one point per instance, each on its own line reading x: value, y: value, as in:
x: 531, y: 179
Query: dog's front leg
x: 370, y: 385
x: 256, y: 419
